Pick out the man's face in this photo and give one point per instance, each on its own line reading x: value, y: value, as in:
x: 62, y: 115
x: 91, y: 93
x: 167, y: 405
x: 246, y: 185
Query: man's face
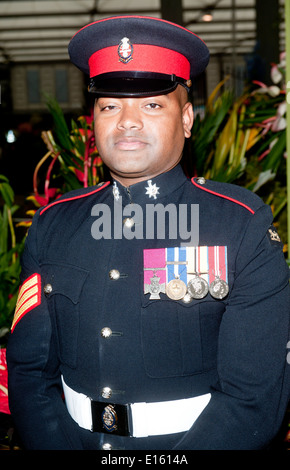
x: 139, y: 138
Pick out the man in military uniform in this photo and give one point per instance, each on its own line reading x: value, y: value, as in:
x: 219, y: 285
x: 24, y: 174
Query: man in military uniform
x: 124, y: 341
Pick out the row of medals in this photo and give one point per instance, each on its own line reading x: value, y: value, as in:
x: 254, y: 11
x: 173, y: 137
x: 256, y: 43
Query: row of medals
x: 197, y: 288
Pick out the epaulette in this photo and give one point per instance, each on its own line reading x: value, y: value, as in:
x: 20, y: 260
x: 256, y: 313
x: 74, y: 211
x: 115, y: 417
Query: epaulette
x: 232, y: 192
x: 76, y: 194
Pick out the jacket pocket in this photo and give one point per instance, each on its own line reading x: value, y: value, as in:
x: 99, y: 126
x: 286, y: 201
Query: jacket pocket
x: 63, y: 285
x: 180, y: 339
x: 171, y: 340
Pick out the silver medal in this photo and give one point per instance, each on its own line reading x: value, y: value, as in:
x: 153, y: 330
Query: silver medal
x: 154, y: 288
x: 197, y: 287
x: 219, y: 289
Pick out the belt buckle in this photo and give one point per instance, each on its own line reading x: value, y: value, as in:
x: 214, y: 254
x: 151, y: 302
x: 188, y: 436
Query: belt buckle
x: 110, y: 418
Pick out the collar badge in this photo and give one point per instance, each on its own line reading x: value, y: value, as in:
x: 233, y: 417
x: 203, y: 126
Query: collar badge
x: 152, y: 190
x: 125, y: 51
x: 274, y: 235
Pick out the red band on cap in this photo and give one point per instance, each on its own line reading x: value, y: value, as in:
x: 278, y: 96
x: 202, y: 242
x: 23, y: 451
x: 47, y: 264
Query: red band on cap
x: 145, y: 58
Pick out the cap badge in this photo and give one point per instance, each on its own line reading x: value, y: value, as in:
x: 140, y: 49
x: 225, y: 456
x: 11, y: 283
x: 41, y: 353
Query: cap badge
x: 125, y: 51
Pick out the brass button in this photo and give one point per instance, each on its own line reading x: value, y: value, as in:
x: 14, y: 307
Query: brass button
x: 107, y: 446
x: 106, y: 392
x: 128, y: 222
x: 106, y: 332
x: 201, y: 180
x: 114, y: 274
x: 47, y: 289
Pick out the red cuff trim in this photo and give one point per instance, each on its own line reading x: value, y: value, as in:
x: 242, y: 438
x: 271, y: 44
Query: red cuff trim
x: 223, y: 196
x: 145, y: 58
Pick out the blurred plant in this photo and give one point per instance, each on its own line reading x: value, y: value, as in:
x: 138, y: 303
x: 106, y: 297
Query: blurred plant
x: 10, y: 252
x: 243, y: 141
x: 232, y: 131
x: 72, y: 151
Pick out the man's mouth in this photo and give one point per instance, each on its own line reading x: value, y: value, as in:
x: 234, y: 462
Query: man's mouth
x: 130, y: 143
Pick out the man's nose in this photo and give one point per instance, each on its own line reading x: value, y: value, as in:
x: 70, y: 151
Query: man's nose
x: 130, y: 118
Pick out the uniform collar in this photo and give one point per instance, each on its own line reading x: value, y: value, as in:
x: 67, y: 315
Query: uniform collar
x: 151, y: 190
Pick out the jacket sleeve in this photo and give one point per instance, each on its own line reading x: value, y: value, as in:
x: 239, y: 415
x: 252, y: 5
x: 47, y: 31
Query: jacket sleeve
x: 250, y: 399
x: 34, y: 389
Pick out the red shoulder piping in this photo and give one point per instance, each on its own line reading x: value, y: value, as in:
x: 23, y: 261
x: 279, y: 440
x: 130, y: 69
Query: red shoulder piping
x: 222, y: 195
x: 75, y: 197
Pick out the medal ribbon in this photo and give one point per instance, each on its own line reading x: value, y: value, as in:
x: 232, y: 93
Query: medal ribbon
x: 176, y: 264
x: 154, y: 262
x: 197, y: 262
x: 218, y: 262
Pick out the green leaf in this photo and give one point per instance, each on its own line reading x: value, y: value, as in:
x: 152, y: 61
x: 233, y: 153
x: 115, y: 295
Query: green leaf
x: 61, y: 129
x: 6, y: 191
x: 273, y: 159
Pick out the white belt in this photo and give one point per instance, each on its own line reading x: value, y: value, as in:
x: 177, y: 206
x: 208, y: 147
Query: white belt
x: 148, y: 419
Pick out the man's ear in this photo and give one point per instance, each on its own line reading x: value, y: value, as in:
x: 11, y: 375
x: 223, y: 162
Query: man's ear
x: 187, y: 118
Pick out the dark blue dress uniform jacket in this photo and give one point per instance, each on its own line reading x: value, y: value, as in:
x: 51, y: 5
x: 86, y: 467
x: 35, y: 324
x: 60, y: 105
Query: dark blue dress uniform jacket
x: 235, y: 348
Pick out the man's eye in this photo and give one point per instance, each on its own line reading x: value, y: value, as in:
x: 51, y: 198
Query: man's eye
x: 153, y: 106
x: 108, y: 107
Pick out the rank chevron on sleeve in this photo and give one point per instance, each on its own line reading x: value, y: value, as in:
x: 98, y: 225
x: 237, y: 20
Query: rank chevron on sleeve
x: 29, y: 297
